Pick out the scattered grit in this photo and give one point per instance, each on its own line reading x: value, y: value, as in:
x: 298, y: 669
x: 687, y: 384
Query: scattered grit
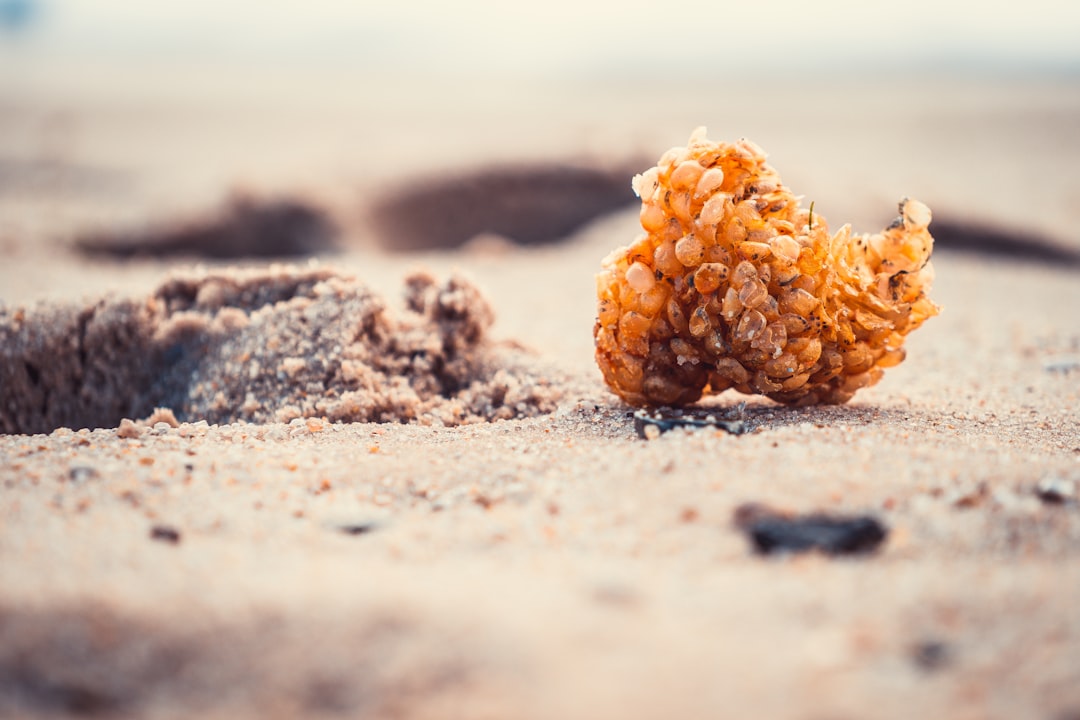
x: 265, y: 345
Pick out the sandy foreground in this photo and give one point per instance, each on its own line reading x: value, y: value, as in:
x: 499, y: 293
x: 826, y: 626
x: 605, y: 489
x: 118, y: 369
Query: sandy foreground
x: 559, y: 565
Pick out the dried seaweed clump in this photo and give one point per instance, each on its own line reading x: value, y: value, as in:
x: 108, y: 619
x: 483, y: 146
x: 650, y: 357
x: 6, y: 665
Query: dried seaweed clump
x: 734, y: 285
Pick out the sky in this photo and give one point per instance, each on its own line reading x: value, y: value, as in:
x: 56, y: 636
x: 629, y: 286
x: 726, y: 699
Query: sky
x: 553, y: 37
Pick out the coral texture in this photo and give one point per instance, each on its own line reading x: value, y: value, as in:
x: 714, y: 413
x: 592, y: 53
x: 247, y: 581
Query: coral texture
x: 734, y: 285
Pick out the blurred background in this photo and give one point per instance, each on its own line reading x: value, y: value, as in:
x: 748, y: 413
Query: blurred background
x: 124, y: 124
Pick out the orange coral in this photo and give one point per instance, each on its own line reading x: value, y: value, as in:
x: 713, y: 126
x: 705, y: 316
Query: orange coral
x: 734, y: 285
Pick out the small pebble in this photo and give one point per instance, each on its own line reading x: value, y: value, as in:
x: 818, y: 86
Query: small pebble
x: 931, y: 655
x: 968, y: 497
x: 1062, y: 365
x: 771, y: 532
x: 358, y: 528
x: 165, y: 533
x: 162, y: 415
x: 128, y: 430
x: 1056, y: 490
x: 82, y: 473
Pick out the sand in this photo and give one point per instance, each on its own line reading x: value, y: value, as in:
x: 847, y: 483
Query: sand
x: 261, y: 346
x: 553, y: 564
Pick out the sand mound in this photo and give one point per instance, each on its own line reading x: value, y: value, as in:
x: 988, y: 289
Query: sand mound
x: 263, y: 346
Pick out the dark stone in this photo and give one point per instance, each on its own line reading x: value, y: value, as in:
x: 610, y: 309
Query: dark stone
x: 931, y: 655
x: 771, y: 532
x: 82, y: 473
x: 361, y: 528
x: 1055, y: 490
x: 165, y: 533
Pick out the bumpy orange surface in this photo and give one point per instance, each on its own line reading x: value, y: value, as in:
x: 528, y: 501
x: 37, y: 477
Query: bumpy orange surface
x: 735, y: 285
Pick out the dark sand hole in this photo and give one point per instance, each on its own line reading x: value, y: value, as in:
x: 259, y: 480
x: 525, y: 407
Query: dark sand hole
x: 527, y: 204
x: 958, y: 236
x: 245, y: 227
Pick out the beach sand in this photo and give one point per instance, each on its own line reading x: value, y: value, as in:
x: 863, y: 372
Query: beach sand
x: 554, y: 564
